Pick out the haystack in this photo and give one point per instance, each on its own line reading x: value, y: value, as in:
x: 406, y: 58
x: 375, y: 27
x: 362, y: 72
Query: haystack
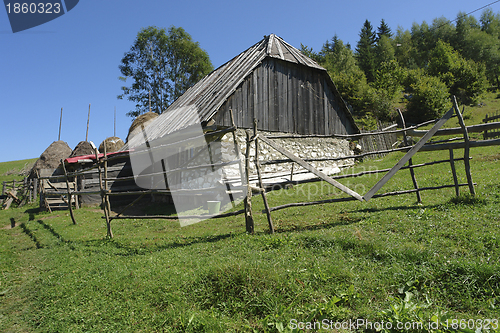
x: 51, y: 157
x: 82, y: 149
x: 143, y: 119
x: 112, y: 144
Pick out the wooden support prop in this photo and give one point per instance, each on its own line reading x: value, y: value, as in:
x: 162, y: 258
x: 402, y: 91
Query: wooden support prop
x: 250, y: 226
x: 88, y: 120
x: 70, y: 204
x: 410, y: 161
x: 60, y: 125
x: 454, y: 173
x: 4, y: 185
x: 257, y: 165
x: 310, y: 168
x: 106, y: 196
x: 467, y: 147
x: 408, y: 155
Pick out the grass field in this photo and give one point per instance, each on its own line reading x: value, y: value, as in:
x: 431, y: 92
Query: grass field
x: 388, y: 260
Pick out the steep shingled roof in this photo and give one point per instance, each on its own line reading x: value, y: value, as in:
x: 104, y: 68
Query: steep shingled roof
x: 200, y: 102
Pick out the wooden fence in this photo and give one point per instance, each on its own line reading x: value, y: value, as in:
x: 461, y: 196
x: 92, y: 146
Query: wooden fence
x: 254, y: 138
x: 489, y: 133
x: 19, y: 191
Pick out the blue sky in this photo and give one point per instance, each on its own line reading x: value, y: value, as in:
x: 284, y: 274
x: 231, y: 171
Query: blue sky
x: 73, y: 60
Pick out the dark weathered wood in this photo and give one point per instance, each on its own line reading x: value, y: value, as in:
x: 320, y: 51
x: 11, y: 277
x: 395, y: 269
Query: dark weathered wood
x: 257, y: 165
x: 467, y: 147
x: 454, y: 173
x: 249, y: 223
x: 410, y: 161
x: 70, y: 204
x: 309, y: 167
x: 408, y: 155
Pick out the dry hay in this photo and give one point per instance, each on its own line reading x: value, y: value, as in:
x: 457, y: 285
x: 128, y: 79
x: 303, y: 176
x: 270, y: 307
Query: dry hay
x: 143, y: 119
x: 82, y: 149
x: 112, y: 144
x: 52, y: 156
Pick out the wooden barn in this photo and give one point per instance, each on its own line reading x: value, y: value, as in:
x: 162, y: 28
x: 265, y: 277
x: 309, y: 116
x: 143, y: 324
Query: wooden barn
x: 271, y: 81
x: 274, y: 83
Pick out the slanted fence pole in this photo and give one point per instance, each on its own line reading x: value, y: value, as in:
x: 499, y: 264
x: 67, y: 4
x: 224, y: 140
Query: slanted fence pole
x: 467, y: 147
x: 262, y: 192
x: 250, y: 226
x: 410, y: 161
x: 454, y: 172
x: 4, y: 185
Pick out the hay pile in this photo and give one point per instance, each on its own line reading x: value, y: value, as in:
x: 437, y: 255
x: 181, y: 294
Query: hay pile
x: 51, y: 157
x: 112, y: 144
x: 82, y: 149
x: 143, y: 119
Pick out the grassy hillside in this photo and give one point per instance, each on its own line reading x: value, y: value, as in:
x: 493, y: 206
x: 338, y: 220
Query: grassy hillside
x: 389, y: 260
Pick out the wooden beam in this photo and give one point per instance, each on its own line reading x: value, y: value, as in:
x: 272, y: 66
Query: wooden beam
x: 408, y: 155
x: 310, y: 168
x: 458, y: 130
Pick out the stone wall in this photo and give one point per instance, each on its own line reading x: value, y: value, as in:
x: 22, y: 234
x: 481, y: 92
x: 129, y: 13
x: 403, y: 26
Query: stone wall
x: 303, y: 147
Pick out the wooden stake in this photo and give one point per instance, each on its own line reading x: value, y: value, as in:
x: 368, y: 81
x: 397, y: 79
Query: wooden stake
x: 257, y: 165
x: 60, y: 125
x: 410, y: 161
x: 88, y: 120
x: 70, y: 204
x: 467, y: 147
x: 249, y: 222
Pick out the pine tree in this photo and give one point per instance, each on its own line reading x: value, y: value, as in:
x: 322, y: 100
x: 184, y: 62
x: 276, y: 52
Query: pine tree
x: 383, y: 30
x: 365, y: 50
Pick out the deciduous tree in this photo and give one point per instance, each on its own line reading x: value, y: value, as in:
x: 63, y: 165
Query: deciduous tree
x: 162, y: 65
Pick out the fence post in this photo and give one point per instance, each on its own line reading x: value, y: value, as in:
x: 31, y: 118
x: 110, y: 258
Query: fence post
x: 410, y: 162
x: 485, y: 133
x: 467, y: 147
x: 250, y: 226
x: 4, y: 185
x: 263, y: 191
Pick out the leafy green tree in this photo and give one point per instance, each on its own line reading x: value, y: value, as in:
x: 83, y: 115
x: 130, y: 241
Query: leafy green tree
x: 161, y: 65
x: 464, y: 78
x: 365, y: 50
x: 490, y: 22
x: 429, y: 97
x: 404, y: 49
x: 422, y: 41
